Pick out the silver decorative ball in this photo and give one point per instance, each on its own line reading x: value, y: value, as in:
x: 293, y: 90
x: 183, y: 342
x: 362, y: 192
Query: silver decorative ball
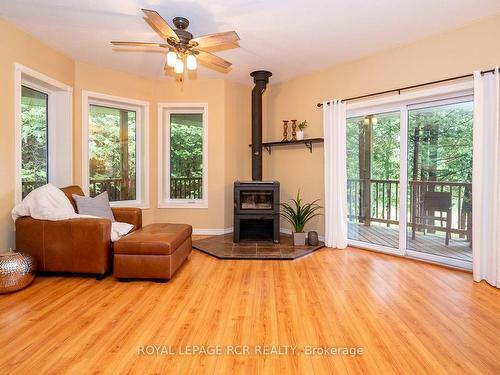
x: 17, y: 270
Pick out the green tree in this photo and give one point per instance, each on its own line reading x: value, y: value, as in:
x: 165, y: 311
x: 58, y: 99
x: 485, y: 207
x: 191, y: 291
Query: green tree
x: 186, y: 156
x: 186, y: 146
x: 34, y: 160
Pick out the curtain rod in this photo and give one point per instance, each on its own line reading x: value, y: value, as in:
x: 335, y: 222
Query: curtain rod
x: 411, y: 87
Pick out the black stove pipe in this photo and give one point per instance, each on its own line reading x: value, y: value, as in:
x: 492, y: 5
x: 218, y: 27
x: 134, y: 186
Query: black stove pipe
x: 261, y: 79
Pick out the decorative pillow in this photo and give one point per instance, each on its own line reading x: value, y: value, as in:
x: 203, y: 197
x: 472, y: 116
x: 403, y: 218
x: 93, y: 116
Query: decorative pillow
x: 97, y: 206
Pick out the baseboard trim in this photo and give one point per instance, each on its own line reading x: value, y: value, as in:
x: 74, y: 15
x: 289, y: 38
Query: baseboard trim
x: 212, y: 232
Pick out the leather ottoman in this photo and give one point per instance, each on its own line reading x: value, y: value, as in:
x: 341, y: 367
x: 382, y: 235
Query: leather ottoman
x: 155, y: 251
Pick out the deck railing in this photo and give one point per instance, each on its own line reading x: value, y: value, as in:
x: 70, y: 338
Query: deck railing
x: 384, y: 205
x: 117, y: 188
x: 120, y: 189
x: 186, y: 188
x: 180, y: 188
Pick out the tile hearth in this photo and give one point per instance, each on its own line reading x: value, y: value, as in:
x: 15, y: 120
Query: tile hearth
x: 222, y: 247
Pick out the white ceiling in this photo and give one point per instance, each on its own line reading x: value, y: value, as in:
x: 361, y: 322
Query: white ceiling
x: 287, y: 37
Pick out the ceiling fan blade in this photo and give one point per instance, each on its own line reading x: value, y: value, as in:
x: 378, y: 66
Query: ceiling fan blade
x: 216, y: 39
x: 139, y: 44
x: 212, y: 59
x: 160, y: 25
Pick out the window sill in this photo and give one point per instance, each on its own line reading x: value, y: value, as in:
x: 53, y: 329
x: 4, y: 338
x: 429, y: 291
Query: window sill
x: 134, y: 204
x: 183, y: 204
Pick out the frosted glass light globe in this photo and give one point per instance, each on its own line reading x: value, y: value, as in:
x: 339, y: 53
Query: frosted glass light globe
x: 191, y: 62
x: 171, y: 58
x: 179, y: 66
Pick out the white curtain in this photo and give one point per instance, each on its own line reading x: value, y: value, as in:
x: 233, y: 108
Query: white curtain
x: 334, y: 130
x: 486, y: 179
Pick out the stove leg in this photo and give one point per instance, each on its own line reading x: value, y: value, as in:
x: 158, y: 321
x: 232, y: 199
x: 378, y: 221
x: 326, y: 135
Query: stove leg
x: 276, y: 228
x: 236, y: 229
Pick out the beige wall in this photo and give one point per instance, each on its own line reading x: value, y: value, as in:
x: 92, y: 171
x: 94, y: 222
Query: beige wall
x: 451, y: 54
x: 17, y: 46
x: 237, y: 138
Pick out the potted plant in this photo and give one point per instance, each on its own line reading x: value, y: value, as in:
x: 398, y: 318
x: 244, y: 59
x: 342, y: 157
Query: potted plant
x: 300, y: 132
x: 298, y: 214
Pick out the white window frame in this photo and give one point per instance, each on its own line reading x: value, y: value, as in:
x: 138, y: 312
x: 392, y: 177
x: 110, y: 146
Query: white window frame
x: 141, y: 108
x: 59, y: 126
x: 441, y: 95
x: 164, y: 112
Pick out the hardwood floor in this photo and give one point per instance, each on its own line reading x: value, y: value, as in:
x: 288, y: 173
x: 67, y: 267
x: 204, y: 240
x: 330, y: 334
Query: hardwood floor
x: 407, y: 316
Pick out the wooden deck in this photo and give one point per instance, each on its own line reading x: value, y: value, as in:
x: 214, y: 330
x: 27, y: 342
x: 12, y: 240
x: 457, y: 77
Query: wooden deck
x: 428, y: 243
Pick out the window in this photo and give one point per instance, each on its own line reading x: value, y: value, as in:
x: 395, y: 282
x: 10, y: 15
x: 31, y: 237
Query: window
x: 115, y: 152
x: 112, y: 152
x: 43, y: 134
x: 409, y: 172
x: 186, y: 156
x: 34, y: 139
x: 183, y: 155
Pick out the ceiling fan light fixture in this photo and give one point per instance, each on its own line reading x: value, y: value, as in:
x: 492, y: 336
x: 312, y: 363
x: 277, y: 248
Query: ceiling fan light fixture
x: 181, y: 47
x: 179, y: 66
x: 171, y: 58
x: 191, y: 62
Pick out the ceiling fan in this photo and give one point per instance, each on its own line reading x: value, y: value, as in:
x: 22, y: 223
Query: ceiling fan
x: 182, y: 47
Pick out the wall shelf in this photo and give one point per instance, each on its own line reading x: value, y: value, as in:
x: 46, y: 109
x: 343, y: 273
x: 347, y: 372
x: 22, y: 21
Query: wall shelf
x: 307, y: 142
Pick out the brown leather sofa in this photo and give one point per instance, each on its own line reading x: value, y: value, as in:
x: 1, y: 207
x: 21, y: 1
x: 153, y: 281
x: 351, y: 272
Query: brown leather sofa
x: 74, y: 245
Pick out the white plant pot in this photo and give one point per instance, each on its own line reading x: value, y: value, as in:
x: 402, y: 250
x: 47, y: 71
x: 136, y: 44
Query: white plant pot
x: 299, y: 239
x: 300, y: 135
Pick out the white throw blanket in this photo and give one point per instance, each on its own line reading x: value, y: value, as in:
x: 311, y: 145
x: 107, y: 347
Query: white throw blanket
x: 50, y: 203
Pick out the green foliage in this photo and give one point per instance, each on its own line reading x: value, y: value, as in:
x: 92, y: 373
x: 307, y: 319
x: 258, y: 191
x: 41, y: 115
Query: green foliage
x: 385, y: 149
x: 440, y: 143
x: 298, y: 214
x: 443, y: 136
x: 302, y: 125
x: 112, y: 152
x: 34, y: 163
x: 105, y: 143
x: 186, y: 145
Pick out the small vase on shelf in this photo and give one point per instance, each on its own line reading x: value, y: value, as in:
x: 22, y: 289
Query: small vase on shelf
x: 285, y: 131
x: 300, y: 135
x: 294, y: 130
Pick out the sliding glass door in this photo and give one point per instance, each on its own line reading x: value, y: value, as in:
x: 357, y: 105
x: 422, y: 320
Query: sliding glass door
x: 409, y: 173
x: 373, y: 169
x: 439, y: 207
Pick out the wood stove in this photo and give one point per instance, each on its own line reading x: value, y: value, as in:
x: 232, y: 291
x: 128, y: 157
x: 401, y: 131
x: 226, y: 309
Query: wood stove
x: 256, y: 211
x: 257, y: 202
